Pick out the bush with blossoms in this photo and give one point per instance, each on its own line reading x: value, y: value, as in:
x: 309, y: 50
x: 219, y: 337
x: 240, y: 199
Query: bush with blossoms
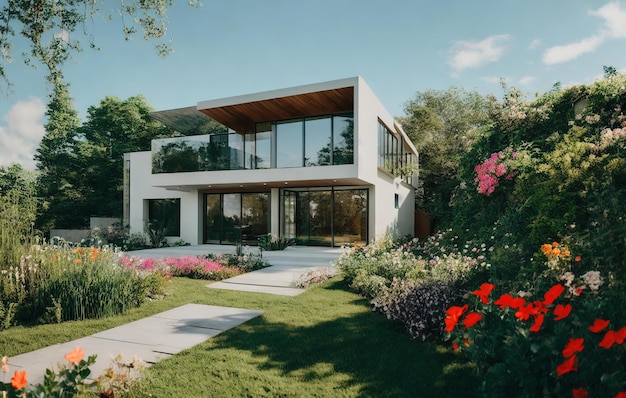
x: 500, y: 166
x: 564, y: 338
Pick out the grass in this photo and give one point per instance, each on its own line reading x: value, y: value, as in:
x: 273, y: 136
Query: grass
x: 324, y: 343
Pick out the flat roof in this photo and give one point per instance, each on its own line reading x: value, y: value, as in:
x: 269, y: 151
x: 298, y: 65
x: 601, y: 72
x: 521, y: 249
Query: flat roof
x: 241, y: 113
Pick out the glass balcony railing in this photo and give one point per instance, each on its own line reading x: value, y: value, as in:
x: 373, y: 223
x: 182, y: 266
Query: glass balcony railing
x: 198, y: 153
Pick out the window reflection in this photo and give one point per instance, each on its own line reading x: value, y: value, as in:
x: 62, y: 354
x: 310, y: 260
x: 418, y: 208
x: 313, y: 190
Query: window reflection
x: 289, y: 144
x: 317, y: 133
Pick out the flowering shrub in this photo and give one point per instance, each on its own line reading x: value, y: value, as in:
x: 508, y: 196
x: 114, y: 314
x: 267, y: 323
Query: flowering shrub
x: 418, y: 306
x: 71, y: 378
x: 315, y: 276
x: 210, y: 267
x: 560, y: 343
x: 501, y: 165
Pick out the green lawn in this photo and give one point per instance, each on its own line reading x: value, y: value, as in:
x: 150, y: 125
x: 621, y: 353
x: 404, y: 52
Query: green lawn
x: 326, y: 342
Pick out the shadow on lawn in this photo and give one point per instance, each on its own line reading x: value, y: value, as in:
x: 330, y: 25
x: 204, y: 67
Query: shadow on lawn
x: 376, y: 356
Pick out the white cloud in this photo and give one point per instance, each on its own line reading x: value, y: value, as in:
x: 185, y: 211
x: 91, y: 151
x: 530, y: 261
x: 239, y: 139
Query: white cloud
x: 534, y: 44
x: 472, y: 54
x: 614, y: 27
x: 614, y: 19
x: 526, y: 80
x: 568, y: 52
x: 22, y: 134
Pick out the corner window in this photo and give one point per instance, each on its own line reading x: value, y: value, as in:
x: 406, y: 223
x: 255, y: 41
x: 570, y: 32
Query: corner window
x: 165, y: 214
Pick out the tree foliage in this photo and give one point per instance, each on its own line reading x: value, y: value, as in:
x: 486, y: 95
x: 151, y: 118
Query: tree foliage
x: 81, y: 166
x: 112, y: 128
x: 442, y: 125
x: 56, y: 160
x: 49, y: 27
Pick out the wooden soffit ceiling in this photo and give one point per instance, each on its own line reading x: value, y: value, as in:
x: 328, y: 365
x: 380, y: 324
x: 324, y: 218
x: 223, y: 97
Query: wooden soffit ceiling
x: 243, y: 117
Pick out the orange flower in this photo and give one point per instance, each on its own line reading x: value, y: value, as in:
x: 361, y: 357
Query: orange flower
x: 562, y: 311
x: 483, y: 292
x: 19, y: 380
x: 565, y: 253
x: 79, y: 262
x: 598, y: 325
x: 555, y: 244
x: 552, y: 294
x: 93, y: 255
x: 579, y: 393
x: 573, y: 346
x: 556, y: 252
x: 569, y: 365
x: 546, y: 248
x: 76, y: 355
x: 472, y: 319
x: 578, y: 258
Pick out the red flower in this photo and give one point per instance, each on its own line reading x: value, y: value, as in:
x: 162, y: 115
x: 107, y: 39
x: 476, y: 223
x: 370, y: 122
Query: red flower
x: 573, y: 346
x: 621, y: 394
x: 562, y: 311
x: 552, y: 294
x: 620, y: 335
x: 538, y: 322
x: 608, y: 340
x: 569, y: 365
x: 454, y: 313
x: 471, y: 319
x: 504, y: 301
x: 517, y: 302
x: 599, y: 325
x: 455, y: 346
x: 579, y: 393
x: 483, y: 292
x: 525, y: 312
x: 19, y: 380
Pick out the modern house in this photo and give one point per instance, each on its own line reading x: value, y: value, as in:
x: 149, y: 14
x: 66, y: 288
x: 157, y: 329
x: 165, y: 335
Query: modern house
x: 323, y: 163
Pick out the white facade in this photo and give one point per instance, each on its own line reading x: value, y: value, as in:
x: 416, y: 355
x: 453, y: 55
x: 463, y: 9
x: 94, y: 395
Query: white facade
x: 305, y: 201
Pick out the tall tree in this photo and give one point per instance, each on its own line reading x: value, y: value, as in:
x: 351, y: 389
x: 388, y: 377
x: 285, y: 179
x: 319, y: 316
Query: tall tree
x: 56, y: 163
x: 49, y: 27
x: 443, y: 125
x: 112, y: 128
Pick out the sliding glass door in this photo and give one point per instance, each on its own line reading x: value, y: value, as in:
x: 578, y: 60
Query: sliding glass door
x: 324, y: 216
x: 233, y: 218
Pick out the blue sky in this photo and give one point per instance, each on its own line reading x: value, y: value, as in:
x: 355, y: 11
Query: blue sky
x: 400, y: 47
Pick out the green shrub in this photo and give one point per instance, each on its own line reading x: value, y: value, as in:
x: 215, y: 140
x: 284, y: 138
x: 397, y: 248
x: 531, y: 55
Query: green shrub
x: 272, y: 243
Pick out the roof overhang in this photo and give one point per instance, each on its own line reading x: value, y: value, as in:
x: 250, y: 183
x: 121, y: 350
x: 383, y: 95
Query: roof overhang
x: 242, y: 113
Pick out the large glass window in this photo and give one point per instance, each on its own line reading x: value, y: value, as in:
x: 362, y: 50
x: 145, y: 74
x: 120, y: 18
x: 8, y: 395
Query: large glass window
x: 263, y: 155
x: 343, y: 139
x: 324, y: 216
x: 390, y: 150
x: 317, y: 133
x: 250, y: 151
x: 236, y: 217
x: 165, y: 214
x: 289, y: 144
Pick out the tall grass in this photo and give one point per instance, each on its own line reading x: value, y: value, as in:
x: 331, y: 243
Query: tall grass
x: 54, y: 283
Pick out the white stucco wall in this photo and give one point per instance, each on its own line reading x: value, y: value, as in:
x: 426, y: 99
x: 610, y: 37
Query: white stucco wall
x: 141, y: 191
x: 383, y: 216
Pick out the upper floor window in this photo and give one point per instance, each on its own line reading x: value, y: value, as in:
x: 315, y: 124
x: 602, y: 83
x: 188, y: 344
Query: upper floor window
x: 305, y: 142
x: 393, y: 155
